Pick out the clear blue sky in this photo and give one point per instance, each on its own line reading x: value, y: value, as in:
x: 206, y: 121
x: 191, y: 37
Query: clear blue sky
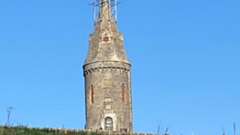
x: 185, y: 57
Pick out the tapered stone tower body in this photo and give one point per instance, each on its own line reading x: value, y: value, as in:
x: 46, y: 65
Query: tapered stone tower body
x: 107, y: 76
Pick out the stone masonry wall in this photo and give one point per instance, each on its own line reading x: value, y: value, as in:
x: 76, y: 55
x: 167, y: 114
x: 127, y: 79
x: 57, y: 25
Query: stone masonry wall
x: 108, y: 95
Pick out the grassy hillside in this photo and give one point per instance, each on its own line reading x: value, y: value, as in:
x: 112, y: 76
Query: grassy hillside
x: 21, y: 130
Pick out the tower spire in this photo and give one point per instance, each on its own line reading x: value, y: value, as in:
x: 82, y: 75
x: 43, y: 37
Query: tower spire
x: 106, y: 43
x: 105, y: 13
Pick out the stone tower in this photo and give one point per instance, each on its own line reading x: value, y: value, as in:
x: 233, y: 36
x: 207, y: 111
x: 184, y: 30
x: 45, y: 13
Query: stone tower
x: 107, y: 76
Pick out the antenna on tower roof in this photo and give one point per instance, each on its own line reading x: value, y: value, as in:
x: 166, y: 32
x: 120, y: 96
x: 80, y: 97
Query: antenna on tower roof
x: 96, y: 8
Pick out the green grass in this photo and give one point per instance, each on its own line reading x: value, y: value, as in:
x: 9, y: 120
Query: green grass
x: 22, y: 130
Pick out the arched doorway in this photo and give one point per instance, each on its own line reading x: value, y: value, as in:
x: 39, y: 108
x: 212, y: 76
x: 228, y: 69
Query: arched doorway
x: 108, y: 123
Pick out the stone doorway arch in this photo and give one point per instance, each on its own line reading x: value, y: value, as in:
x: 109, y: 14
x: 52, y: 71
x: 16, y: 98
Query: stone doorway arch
x: 108, y: 123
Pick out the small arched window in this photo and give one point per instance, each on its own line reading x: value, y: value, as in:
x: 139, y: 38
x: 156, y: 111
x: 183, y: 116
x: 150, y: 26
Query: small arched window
x: 108, y: 123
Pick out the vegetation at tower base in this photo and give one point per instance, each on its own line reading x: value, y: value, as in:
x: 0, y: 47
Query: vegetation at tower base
x: 23, y: 130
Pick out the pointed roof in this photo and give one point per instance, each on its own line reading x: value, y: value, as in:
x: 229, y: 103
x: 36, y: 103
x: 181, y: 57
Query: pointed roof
x: 106, y: 43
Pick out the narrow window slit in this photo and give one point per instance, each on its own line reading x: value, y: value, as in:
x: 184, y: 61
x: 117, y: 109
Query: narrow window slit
x: 92, y: 94
x: 123, y: 93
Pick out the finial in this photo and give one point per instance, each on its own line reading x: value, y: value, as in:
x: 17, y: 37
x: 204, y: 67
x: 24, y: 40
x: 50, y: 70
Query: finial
x: 104, y: 2
x: 105, y: 13
x: 105, y: 10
